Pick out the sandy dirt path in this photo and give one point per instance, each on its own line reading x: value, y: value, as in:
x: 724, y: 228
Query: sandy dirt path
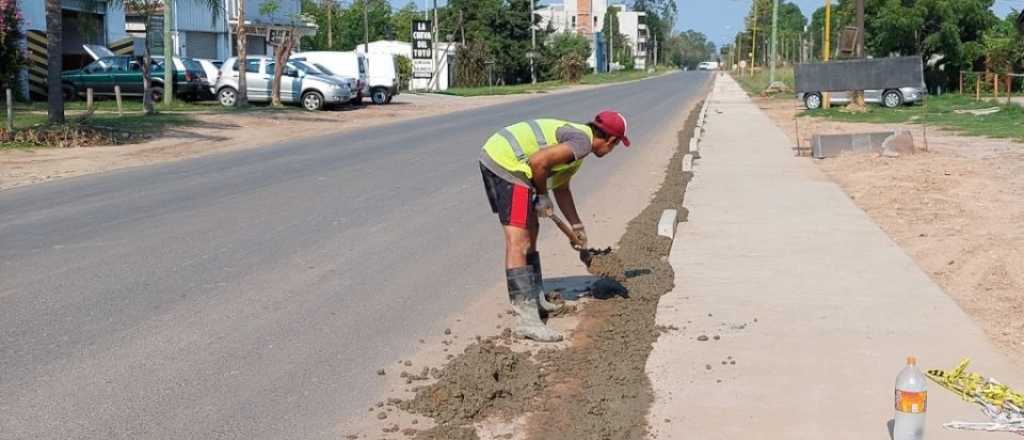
x: 956, y: 209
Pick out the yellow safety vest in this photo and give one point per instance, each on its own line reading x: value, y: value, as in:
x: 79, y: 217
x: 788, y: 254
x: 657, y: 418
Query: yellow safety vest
x: 512, y: 147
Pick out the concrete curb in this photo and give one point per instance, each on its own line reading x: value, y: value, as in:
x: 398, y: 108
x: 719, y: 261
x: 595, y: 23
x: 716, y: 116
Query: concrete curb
x: 667, y: 223
x: 688, y: 163
x: 695, y: 147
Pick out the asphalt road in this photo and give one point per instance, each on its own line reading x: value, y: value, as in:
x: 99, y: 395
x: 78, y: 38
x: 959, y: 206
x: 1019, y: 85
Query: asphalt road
x: 249, y: 295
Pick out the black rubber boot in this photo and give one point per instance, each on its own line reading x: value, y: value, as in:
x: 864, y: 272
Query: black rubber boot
x: 533, y: 259
x: 522, y: 293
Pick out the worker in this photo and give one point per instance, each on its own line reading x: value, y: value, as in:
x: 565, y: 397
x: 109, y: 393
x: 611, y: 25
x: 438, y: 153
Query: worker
x: 520, y: 164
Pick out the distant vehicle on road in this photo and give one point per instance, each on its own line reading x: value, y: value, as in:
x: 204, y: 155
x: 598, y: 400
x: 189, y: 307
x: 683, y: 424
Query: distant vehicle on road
x: 708, y: 65
x: 351, y: 64
x: 125, y: 71
x: 301, y: 83
x: 889, y: 98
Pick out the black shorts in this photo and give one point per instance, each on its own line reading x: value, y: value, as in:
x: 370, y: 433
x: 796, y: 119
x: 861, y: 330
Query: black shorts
x: 512, y: 202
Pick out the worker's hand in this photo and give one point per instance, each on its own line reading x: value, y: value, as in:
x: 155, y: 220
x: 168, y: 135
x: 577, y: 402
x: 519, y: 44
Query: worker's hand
x: 581, y: 237
x: 543, y: 206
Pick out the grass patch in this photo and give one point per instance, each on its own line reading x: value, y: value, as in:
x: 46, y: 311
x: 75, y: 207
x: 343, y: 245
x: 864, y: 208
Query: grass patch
x: 31, y: 129
x: 756, y: 84
x: 541, y: 87
x: 129, y: 105
x: 1007, y: 123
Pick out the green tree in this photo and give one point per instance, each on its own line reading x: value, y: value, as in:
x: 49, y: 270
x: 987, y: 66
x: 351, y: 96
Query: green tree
x: 12, y: 58
x: 401, y: 22
x: 566, y: 53
x: 346, y: 24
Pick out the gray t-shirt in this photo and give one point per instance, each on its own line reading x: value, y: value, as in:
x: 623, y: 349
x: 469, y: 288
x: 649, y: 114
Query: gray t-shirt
x: 575, y: 138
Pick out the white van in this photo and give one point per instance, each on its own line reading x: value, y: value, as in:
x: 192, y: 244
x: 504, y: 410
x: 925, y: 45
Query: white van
x: 383, y: 77
x: 351, y: 64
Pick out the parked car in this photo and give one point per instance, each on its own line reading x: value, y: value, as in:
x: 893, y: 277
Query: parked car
x: 708, y: 65
x: 212, y: 70
x: 109, y: 70
x: 352, y: 64
x: 383, y: 77
x: 353, y: 84
x: 889, y: 98
x: 301, y: 84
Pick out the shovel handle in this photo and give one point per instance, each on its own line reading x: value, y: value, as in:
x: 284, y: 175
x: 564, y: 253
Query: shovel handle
x: 566, y: 230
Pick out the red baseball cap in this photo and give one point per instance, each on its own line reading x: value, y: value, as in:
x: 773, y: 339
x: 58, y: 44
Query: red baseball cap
x: 612, y: 123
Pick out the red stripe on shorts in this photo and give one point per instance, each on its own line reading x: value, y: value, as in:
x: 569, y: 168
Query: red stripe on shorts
x: 520, y: 206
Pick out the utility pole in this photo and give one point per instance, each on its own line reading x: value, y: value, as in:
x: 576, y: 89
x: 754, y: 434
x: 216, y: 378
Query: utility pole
x: 826, y: 50
x: 775, y: 42
x: 533, y: 45
x: 168, y: 53
x: 330, y: 26
x: 753, y: 42
x: 436, y: 56
x: 858, y: 95
x: 611, y: 40
x: 366, y: 26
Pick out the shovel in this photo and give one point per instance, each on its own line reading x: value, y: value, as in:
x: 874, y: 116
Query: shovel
x: 585, y: 255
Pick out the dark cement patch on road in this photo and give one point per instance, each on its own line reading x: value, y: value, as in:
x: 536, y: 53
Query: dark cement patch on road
x: 595, y: 389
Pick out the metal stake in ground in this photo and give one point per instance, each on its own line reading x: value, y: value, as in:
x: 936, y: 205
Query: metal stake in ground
x: 10, y: 112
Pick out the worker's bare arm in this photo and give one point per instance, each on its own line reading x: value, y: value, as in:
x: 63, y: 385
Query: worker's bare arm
x: 566, y: 203
x: 544, y: 160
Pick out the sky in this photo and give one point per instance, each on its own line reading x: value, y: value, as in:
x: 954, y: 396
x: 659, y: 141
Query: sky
x: 720, y: 20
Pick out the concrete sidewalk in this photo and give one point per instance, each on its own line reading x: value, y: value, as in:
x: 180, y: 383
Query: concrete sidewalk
x: 815, y: 304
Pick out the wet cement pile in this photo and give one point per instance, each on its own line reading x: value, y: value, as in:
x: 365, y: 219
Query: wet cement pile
x: 485, y: 379
x: 597, y: 388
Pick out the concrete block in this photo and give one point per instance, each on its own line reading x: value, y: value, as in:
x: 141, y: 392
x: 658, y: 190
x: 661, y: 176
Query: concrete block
x: 688, y: 163
x: 832, y: 145
x: 695, y: 146
x: 667, y: 223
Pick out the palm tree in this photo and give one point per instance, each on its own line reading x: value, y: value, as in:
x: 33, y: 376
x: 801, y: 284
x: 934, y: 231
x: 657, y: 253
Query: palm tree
x: 54, y: 63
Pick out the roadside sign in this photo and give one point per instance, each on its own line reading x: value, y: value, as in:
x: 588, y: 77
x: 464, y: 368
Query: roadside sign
x: 422, y: 46
x: 155, y: 33
x: 422, y: 69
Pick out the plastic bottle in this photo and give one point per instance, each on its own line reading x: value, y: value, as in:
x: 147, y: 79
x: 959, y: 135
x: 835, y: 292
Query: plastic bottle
x: 911, y: 403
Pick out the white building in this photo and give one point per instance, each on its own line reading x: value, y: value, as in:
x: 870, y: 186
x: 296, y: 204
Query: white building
x: 581, y: 16
x: 631, y: 25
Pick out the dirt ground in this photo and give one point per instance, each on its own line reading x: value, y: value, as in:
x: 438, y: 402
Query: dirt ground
x: 222, y: 132
x: 956, y: 209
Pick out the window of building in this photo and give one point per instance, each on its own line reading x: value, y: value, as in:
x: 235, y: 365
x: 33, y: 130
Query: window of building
x: 574, y: 22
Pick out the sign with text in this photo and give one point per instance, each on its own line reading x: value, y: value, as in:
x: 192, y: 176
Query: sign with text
x: 422, y: 47
x: 422, y: 69
x: 155, y: 34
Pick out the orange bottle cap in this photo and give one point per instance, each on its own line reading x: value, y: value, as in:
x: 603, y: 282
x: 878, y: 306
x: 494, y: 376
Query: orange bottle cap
x: 911, y: 360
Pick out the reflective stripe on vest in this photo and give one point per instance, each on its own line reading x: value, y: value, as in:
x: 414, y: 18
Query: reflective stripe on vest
x: 538, y: 134
x: 514, y: 143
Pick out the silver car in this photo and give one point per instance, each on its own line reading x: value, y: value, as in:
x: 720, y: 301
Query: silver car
x: 301, y: 84
x: 889, y: 98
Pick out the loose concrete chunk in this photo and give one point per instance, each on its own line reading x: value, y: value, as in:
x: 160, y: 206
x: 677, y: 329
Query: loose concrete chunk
x: 688, y: 163
x: 900, y: 143
x: 667, y: 223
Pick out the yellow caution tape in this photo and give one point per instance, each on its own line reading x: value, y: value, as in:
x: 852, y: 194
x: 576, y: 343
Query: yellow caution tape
x: 973, y: 387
